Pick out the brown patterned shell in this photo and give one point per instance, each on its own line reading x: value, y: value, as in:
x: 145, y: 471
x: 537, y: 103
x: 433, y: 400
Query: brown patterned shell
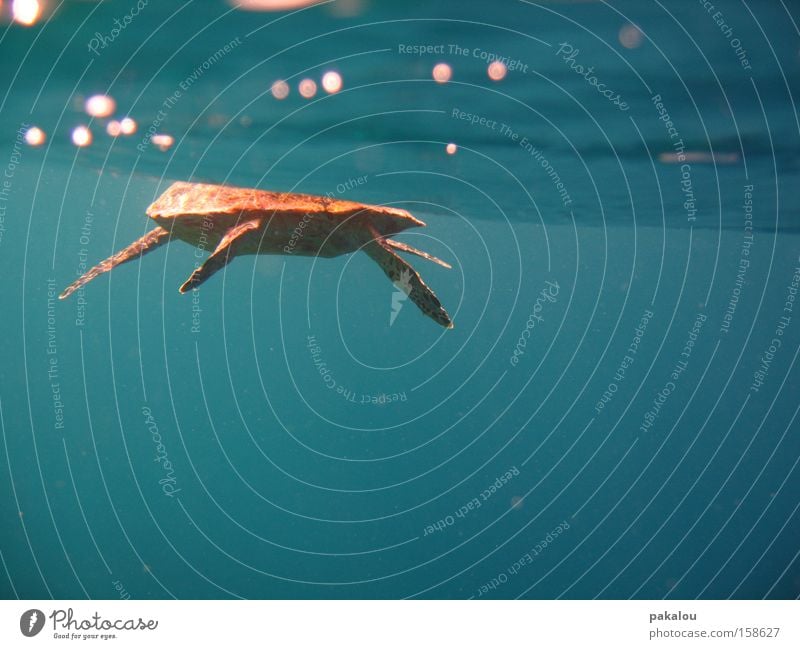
x: 189, y: 200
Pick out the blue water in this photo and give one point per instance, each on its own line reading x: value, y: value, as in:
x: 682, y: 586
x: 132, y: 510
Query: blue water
x: 606, y: 419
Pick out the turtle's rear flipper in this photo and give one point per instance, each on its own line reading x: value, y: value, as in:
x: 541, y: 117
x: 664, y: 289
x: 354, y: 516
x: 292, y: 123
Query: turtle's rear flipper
x: 148, y: 242
x: 225, y: 251
x: 399, y: 245
x: 408, y: 280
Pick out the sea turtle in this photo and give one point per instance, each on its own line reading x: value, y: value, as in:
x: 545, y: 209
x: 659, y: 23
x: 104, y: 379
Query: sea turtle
x: 236, y: 221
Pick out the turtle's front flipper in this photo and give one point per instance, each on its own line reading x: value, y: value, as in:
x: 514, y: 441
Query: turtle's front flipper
x: 148, y: 242
x: 226, y: 250
x: 399, y: 245
x: 407, y: 279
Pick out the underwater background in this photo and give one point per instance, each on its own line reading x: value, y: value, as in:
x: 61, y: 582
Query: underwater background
x: 614, y: 414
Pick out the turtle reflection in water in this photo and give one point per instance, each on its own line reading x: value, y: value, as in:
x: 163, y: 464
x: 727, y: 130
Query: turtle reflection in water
x: 251, y: 221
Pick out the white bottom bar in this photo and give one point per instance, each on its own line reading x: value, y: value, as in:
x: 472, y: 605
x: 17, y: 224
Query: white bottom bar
x: 400, y: 624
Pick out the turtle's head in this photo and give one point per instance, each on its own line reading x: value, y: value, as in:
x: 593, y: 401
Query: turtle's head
x: 390, y: 220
